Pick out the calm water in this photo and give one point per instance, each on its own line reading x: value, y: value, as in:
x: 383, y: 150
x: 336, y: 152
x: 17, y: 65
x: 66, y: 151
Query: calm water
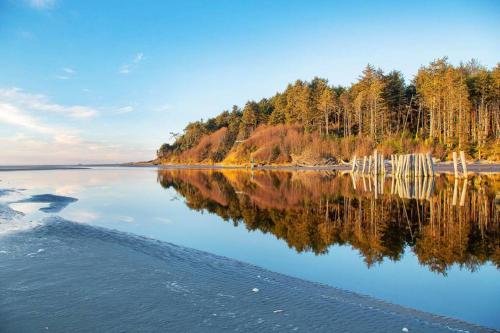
x: 432, y: 246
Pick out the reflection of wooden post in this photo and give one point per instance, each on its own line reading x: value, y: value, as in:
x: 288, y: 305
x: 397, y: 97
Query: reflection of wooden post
x: 382, y: 183
x: 393, y: 177
x: 353, y: 181
x: 455, y: 164
x: 464, y: 190
x: 464, y: 163
x: 364, y: 163
x: 430, y: 185
x: 392, y: 164
x: 455, y: 192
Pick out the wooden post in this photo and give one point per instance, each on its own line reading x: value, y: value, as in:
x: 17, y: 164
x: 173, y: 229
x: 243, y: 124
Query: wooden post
x: 464, y: 163
x: 455, y: 164
x: 364, y: 163
x: 353, y: 164
x: 415, y: 165
x: 382, y: 164
x: 407, y: 165
x: 375, y: 159
x: 369, y: 164
x: 400, y: 165
x: 431, y: 164
x: 424, y: 165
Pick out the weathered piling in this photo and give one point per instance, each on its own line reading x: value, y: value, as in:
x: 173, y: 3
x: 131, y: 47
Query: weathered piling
x: 464, y: 163
x: 404, y: 165
x: 430, y: 164
x: 411, y: 165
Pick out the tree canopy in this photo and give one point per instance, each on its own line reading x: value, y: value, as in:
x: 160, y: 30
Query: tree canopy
x: 451, y: 106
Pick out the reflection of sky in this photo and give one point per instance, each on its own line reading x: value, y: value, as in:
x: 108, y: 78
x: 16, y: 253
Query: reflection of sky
x: 131, y: 200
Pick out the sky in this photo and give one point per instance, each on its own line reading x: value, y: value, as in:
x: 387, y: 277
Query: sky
x: 107, y: 81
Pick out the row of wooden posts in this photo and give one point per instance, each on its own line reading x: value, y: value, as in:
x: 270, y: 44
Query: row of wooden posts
x: 400, y: 165
x: 403, y: 165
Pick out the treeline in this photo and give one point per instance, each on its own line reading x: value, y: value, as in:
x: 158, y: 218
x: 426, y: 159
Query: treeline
x: 453, y: 107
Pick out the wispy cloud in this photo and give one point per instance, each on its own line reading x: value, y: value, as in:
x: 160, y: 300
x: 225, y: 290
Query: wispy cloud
x: 40, y: 102
x: 66, y: 73
x: 127, y: 68
x: 30, y: 149
x: 124, y: 109
x: 12, y: 115
x: 41, y: 4
x: 41, y: 138
x: 9, y: 114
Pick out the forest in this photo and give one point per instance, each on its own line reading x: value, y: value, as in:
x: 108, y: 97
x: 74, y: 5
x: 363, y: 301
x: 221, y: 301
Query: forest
x: 443, y: 108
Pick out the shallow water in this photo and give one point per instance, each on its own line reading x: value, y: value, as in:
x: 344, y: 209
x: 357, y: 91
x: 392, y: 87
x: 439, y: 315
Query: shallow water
x: 439, y: 253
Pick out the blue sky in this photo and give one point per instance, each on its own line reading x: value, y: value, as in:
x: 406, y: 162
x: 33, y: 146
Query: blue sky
x: 106, y: 81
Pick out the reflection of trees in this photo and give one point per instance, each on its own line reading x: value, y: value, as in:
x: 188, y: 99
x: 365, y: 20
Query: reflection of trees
x: 311, y: 211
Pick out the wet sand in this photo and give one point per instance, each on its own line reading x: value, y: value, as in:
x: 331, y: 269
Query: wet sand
x: 64, y: 276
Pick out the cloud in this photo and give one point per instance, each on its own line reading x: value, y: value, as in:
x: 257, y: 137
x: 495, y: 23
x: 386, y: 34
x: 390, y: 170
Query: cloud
x: 33, y: 136
x: 127, y: 68
x: 12, y: 115
x: 163, y: 108
x: 41, y: 4
x: 36, y: 149
x: 124, y: 109
x: 9, y: 114
x: 39, y: 102
x: 67, y: 74
x: 138, y: 57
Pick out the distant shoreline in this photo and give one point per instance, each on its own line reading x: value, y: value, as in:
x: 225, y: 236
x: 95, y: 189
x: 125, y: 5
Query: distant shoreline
x: 442, y: 167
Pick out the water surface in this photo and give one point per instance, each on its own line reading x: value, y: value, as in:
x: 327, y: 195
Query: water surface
x: 429, y: 245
